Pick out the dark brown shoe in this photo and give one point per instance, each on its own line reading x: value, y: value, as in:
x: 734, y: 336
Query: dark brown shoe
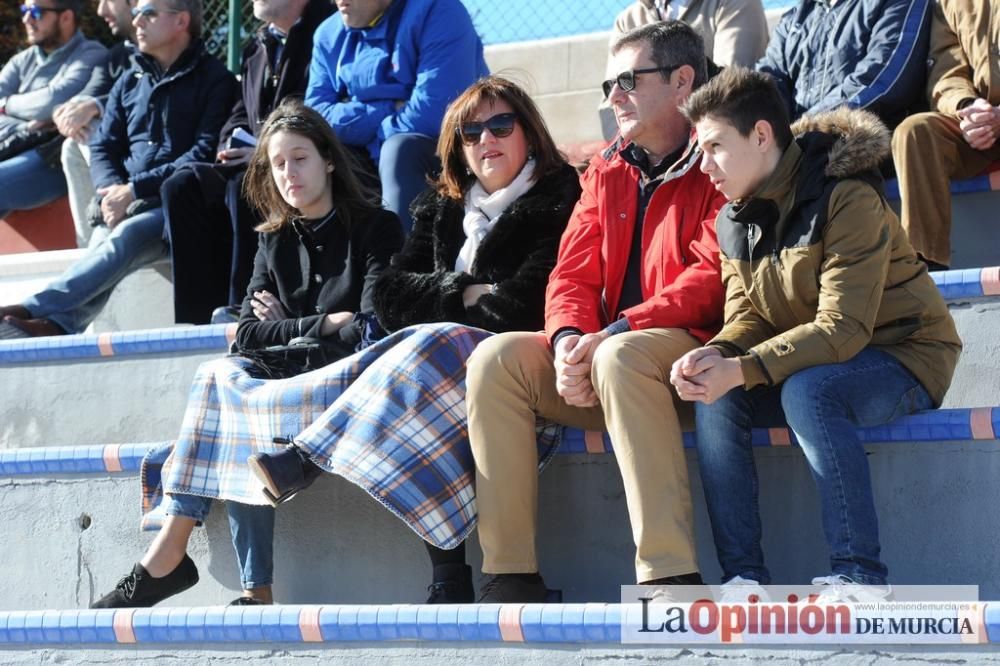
x: 18, y: 311
x: 35, y: 328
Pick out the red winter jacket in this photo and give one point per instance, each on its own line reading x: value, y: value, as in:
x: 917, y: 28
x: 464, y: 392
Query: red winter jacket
x: 681, y: 282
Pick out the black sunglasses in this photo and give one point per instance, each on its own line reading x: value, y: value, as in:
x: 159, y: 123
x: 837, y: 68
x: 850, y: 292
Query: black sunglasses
x: 151, y: 12
x: 500, y: 126
x: 36, y: 12
x: 626, y: 80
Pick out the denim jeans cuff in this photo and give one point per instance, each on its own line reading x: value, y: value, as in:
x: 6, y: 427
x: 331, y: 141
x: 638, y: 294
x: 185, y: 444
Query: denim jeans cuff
x: 187, y: 506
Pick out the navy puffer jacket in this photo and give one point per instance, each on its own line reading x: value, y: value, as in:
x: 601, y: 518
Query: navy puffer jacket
x: 869, y: 54
x: 155, y: 121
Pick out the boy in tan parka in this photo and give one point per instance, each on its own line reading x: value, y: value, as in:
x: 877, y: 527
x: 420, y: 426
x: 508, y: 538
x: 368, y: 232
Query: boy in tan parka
x: 831, y: 321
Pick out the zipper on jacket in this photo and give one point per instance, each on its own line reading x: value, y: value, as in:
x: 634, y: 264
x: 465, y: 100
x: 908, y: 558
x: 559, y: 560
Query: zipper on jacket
x: 752, y: 239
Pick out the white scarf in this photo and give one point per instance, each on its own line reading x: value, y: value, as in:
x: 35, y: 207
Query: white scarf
x: 482, y: 211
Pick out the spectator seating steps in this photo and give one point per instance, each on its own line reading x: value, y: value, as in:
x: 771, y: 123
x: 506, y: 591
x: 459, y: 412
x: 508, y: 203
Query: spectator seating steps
x: 69, y: 496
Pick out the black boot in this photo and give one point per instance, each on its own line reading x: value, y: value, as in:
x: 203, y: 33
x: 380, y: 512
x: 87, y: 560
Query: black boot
x: 284, y: 474
x: 140, y: 590
x: 452, y: 585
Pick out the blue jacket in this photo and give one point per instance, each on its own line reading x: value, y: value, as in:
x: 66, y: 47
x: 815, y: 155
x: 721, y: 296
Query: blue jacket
x: 418, y: 57
x: 154, y: 121
x: 869, y: 54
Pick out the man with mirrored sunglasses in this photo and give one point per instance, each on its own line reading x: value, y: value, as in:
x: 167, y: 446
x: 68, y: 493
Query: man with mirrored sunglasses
x: 636, y: 285
x: 56, y: 65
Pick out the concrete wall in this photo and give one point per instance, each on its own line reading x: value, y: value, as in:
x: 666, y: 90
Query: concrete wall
x: 563, y: 76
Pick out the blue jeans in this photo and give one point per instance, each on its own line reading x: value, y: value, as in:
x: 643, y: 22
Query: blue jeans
x: 252, y: 529
x: 28, y: 182
x: 823, y: 406
x: 404, y: 162
x: 76, y: 297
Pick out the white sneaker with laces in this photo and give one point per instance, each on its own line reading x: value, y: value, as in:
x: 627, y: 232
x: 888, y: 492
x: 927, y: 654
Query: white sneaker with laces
x: 737, y: 590
x: 841, y: 588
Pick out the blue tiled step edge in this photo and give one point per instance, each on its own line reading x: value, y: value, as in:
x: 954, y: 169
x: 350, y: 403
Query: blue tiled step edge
x: 490, y: 623
x: 981, y: 423
x: 954, y: 285
x: 125, y: 343
x: 985, y: 182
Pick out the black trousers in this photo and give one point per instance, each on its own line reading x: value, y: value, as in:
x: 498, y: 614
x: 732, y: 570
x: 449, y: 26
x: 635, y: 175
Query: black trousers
x: 213, y: 243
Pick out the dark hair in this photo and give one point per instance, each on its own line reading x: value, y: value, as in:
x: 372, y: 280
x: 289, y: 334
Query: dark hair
x: 671, y: 44
x: 741, y: 97
x: 350, y: 198
x: 195, y: 13
x: 455, y: 177
x: 69, y: 6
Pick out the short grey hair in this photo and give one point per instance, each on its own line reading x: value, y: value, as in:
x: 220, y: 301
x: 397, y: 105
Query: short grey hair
x: 194, y: 10
x: 671, y: 44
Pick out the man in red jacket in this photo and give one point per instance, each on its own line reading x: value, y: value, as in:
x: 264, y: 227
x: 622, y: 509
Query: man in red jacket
x: 636, y: 286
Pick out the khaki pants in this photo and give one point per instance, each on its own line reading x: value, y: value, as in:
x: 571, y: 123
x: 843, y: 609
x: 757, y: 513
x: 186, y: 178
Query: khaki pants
x: 929, y: 150
x: 511, y: 378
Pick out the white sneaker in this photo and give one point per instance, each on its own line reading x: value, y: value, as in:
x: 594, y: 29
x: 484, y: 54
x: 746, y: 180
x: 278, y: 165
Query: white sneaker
x: 737, y: 590
x: 841, y: 588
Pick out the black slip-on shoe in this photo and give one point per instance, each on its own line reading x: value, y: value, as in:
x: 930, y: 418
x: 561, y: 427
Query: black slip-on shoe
x: 248, y: 601
x: 140, y: 590
x: 514, y: 589
x: 452, y: 585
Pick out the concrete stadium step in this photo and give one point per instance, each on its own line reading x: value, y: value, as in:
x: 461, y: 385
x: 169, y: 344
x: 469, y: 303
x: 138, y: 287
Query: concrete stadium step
x: 144, y: 299
x: 133, y: 385
x: 105, y: 387
x: 333, y: 543
x: 937, y: 425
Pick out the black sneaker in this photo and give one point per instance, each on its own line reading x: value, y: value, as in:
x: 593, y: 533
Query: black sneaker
x: 284, y: 474
x: 140, y: 590
x: 452, y: 585
x: 514, y: 589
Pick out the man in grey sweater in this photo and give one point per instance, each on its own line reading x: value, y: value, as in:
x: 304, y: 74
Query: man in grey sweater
x: 57, y: 64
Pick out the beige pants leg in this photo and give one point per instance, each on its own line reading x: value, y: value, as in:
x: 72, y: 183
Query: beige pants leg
x: 631, y: 375
x: 511, y: 379
x: 929, y: 150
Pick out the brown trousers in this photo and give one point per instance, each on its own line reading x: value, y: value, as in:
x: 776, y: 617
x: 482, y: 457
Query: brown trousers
x: 511, y: 379
x: 929, y: 150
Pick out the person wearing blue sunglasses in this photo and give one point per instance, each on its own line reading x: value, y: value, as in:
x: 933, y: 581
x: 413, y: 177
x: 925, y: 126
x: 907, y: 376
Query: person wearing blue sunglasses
x: 56, y: 65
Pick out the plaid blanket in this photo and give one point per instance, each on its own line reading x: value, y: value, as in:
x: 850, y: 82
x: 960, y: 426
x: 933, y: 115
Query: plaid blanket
x: 390, y: 419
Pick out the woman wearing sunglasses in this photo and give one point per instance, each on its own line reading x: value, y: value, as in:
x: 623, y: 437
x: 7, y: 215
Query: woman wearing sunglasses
x: 484, y: 240
x: 390, y: 418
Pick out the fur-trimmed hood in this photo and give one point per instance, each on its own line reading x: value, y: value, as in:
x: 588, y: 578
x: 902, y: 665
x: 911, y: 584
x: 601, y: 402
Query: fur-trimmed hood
x: 855, y: 141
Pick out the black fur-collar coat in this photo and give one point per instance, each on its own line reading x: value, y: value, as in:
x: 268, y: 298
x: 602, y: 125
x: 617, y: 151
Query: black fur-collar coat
x: 517, y: 255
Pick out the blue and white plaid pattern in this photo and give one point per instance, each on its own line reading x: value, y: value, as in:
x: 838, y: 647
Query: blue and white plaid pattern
x: 390, y: 419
